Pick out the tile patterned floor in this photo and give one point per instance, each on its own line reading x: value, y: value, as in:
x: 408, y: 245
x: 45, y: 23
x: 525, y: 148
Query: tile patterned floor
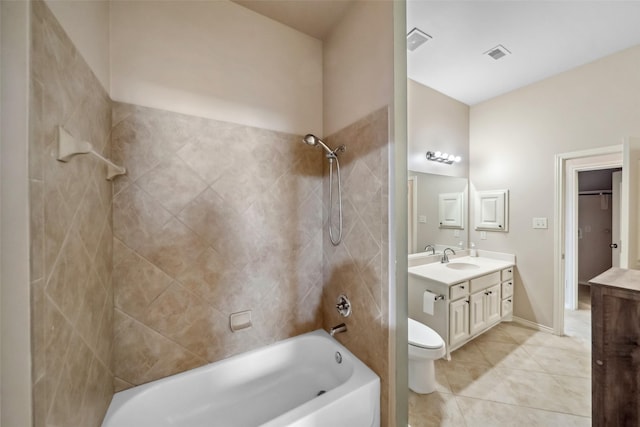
x: 513, y: 375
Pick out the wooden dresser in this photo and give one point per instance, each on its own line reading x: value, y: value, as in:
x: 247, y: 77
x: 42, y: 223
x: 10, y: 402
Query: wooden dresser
x: 615, y: 358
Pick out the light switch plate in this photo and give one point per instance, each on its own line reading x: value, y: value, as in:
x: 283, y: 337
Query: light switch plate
x: 483, y: 235
x: 422, y: 219
x: 540, y: 223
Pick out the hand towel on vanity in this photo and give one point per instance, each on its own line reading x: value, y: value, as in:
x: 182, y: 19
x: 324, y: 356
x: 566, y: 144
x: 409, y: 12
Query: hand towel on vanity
x: 428, y: 302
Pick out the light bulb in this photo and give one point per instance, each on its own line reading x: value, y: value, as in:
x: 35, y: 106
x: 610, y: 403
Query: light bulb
x: 437, y: 154
x: 444, y: 155
x: 452, y: 157
x: 457, y: 159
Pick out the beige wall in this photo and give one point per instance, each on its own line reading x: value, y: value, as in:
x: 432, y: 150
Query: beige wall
x: 87, y: 25
x: 513, y: 139
x: 212, y: 218
x: 216, y: 59
x: 71, y: 238
x: 358, y: 64
x: 436, y: 123
x: 358, y: 95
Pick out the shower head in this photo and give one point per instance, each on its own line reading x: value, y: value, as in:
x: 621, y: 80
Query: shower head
x: 315, y: 141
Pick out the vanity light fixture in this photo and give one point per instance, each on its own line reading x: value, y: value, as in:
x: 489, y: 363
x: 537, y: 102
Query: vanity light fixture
x: 443, y: 157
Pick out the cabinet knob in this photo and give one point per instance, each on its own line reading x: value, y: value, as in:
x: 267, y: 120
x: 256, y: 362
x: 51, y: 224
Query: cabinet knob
x: 499, y: 226
x: 467, y: 301
x: 461, y: 286
x: 510, y: 271
x: 599, y: 362
x: 509, y: 300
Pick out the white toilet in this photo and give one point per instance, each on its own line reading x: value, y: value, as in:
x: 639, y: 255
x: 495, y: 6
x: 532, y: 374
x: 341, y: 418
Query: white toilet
x: 425, y: 346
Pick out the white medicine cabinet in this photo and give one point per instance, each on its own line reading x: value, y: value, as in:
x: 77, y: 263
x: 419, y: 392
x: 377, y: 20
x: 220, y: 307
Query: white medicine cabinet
x: 451, y: 210
x: 492, y: 210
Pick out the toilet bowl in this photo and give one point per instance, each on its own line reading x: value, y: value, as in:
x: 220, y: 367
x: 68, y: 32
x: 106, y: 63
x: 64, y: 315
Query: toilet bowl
x: 425, y: 346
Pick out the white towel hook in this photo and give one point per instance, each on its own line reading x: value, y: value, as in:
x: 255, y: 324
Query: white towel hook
x: 68, y: 147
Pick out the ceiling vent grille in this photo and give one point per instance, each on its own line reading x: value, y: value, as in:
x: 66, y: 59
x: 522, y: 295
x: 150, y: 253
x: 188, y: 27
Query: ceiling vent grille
x: 416, y: 38
x: 498, y: 52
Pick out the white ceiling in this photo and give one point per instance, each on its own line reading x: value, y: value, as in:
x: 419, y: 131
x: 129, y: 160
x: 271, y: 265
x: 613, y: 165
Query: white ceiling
x: 545, y: 38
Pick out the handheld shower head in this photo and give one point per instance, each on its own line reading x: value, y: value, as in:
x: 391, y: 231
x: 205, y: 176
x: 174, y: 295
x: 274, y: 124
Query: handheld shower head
x: 315, y: 141
x: 332, y: 155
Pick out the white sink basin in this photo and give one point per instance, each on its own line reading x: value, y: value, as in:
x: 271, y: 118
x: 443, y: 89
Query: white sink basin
x: 462, y: 266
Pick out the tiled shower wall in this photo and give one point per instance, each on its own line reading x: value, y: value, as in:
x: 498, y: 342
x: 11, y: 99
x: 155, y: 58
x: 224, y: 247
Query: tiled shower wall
x: 71, y: 238
x: 358, y: 267
x: 212, y: 218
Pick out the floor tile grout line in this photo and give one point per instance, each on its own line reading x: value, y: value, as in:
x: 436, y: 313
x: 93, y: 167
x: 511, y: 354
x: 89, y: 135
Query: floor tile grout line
x: 520, y: 406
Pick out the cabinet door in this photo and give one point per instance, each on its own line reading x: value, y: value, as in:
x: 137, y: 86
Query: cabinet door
x: 458, y: 321
x: 491, y: 210
x: 451, y: 210
x: 477, y: 313
x: 492, y: 303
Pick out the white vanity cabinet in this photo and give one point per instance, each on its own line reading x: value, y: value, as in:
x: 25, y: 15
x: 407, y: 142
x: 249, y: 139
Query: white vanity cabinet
x: 464, y: 308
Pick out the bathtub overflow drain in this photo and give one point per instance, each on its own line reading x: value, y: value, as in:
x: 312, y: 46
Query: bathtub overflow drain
x: 338, y: 357
x: 321, y: 392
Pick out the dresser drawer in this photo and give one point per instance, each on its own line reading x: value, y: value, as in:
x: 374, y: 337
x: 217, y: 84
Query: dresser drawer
x: 507, y: 273
x: 483, y: 282
x: 507, y: 306
x: 459, y: 290
x: 507, y: 289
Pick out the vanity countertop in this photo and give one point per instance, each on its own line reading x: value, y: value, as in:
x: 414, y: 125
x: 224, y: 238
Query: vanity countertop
x: 462, y: 268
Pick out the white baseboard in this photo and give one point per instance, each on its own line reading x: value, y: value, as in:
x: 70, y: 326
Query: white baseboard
x: 532, y: 325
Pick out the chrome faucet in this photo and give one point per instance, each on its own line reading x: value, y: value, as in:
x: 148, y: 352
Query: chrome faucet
x: 445, y: 257
x: 433, y: 250
x: 338, y: 329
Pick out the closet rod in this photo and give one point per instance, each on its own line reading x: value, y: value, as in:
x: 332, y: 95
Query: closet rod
x: 594, y: 192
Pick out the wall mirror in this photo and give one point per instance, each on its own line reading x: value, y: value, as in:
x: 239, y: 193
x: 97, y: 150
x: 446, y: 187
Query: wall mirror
x: 438, y: 211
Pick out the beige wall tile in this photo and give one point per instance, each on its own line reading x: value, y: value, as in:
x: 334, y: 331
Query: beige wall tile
x: 71, y: 243
x: 174, y: 248
x: 231, y: 216
x: 142, y: 355
x: 137, y: 282
x: 172, y: 183
x: 137, y: 216
x: 357, y: 267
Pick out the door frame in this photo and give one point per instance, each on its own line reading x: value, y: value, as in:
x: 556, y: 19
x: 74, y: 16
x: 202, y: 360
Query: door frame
x: 413, y: 211
x: 567, y: 191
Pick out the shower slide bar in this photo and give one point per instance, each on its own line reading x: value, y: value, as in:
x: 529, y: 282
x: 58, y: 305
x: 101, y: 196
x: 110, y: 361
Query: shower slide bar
x: 68, y: 147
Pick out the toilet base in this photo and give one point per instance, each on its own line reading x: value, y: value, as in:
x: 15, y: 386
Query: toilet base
x: 422, y: 376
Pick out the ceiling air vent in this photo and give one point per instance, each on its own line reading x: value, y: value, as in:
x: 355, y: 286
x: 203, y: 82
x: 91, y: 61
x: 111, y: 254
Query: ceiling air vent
x: 498, y: 52
x: 416, y: 38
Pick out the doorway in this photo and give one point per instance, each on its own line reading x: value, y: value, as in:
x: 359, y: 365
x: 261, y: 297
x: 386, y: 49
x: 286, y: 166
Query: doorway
x: 569, y: 235
x: 598, y: 224
x: 597, y: 244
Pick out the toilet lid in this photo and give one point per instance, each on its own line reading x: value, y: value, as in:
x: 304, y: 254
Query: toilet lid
x: 423, y: 336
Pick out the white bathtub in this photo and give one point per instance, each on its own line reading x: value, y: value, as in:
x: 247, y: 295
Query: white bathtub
x: 295, y: 382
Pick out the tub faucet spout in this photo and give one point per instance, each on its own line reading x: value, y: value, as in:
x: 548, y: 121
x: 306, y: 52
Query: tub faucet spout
x: 338, y: 329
